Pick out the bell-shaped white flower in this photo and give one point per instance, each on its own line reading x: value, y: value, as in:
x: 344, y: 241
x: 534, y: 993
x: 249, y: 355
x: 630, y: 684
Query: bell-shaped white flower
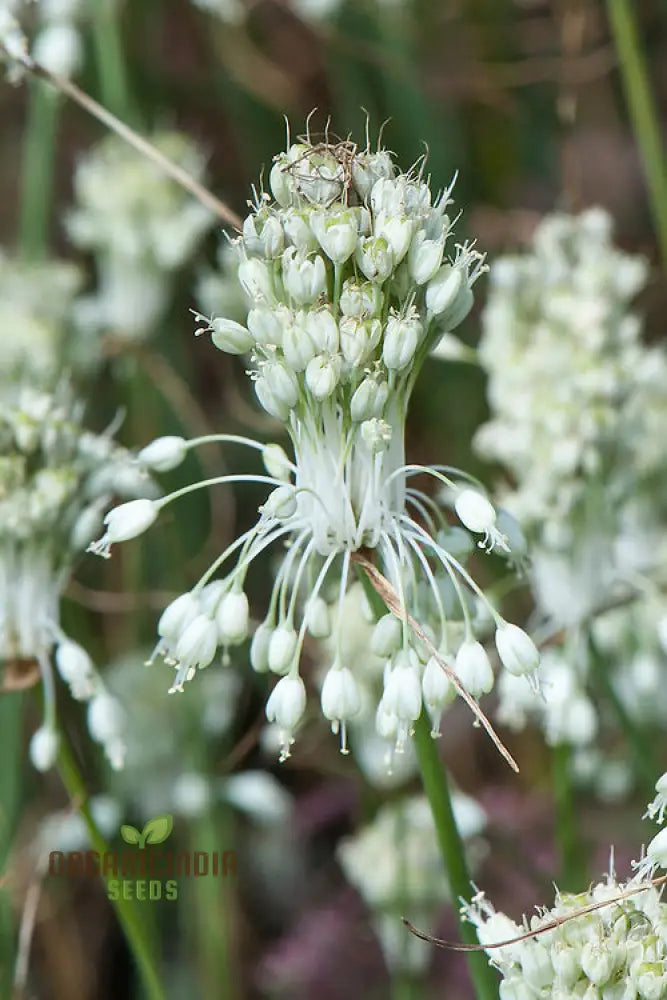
x: 322, y: 330
x: 473, y: 668
x: 124, y: 522
x: 282, y: 647
x: 163, y: 454
x: 375, y: 258
x: 322, y: 374
x: 479, y: 516
x: 231, y: 337
x: 387, y: 636
x: 517, y: 651
x: 259, y: 648
x: 76, y: 669
x: 424, y: 258
x: 369, y: 400
x: 285, y: 707
x: 232, y: 618
x: 437, y: 690
x: 276, y: 462
x: 318, y: 618
x: 268, y: 325
x: 177, y: 616
x: 304, y: 277
x: 402, y: 695
x: 43, y: 749
x: 197, y: 644
x: 402, y: 336
x: 280, y: 503
x: 255, y: 279
x: 340, y: 700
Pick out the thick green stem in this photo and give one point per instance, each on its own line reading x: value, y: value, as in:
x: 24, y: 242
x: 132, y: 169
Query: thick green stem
x: 126, y: 910
x: 643, y: 110
x: 436, y: 788
x: 111, y: 67
x: 11, y: 727
x: 572, y: 855
x: 37, y: 169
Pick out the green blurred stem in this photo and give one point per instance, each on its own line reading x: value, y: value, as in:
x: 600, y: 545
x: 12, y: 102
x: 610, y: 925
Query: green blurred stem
x: 643, y: 110
x: 642, y: 749
x: 436, y: 787
x: 110, y: 60
x: 572, y: 855
x: 37, y: 169
x: 11, y: 727
x: 126, y: 909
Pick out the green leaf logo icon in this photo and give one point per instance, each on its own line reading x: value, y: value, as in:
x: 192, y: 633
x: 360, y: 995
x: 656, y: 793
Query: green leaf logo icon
x: 157, y: 830
x: 130, y: 835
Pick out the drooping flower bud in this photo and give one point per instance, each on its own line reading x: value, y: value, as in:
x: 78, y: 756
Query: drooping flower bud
x: 517, y: 651
x: 163, y: 454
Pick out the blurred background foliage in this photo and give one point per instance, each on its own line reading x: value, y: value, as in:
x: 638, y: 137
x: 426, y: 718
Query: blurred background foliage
x: 523, y: 99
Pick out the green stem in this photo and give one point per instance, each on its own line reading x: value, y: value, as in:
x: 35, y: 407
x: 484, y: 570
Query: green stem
x: 643, y: 110
x: 111, y: 67
x: 37, y: 169
x: 641, y: 747
x: 436, y: 788
x: 572, y: 859
x: 128, y: 915
x: 11, y: 727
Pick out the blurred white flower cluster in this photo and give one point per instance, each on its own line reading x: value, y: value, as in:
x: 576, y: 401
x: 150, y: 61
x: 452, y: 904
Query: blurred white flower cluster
x: 51, y: 26
x: 352, y: 281
x: 396, y: 866
x: 237, y: 11
x: 577, y: 409
x: 56, y: 479
x: 35, y: 305
x: 140, y: 225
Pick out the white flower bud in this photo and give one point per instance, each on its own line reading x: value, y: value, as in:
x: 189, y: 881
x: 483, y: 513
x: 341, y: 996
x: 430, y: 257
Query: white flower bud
x: 340, y: 695
x: 337, y: 234
x: 43, y: 748
x: 210, y: 596
x: 272, y: 237
x: 322, y: 330
x: 76, y: 669
x: 287, y: 703
x: 656, y: 852
x: 397, y: 231
x: 198, y: 643
x: 387, y: 636
x: 443, y: 289
x: 269, y: 401
x: 280, y: 503
x: 424, y: 258
x: 517, y: 651
x: 105, y: 718
x: 402, y: 690
x: 259, y: 648
x: 305, y: 278
x: 282, y: 648
x: 318, y: 618
x: 124, y: 522
x: 475, y: 511
x: 177, y: 616
x: 276, y: 462
x: 473, y: 668
x: 360, y: 299
x: 232, y: 618
x: 369, y: 399
x: 298, y: 231
x: 597, y: 961
x: 163, y: 454
x: 281, y: 183
x: 322, y: 374
x: 359, y: 338
x: 230, y: 336
x: 282, y: 383
x: 298, y: 348
x: 267, y: 325
x: 565, y: 961
x: 255, y: 279
x: 402, y: 335
x: 437, y: 689
x: 536, y: 966
x: 375, y: 259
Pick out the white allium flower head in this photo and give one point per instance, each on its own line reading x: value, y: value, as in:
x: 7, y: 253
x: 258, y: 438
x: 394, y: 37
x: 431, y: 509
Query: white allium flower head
x: 342, y: 311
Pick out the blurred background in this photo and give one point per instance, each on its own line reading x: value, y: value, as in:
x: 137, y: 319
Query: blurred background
x: 523, y: 99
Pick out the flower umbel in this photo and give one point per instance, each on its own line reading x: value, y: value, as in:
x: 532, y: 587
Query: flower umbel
x: 352, y: 277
